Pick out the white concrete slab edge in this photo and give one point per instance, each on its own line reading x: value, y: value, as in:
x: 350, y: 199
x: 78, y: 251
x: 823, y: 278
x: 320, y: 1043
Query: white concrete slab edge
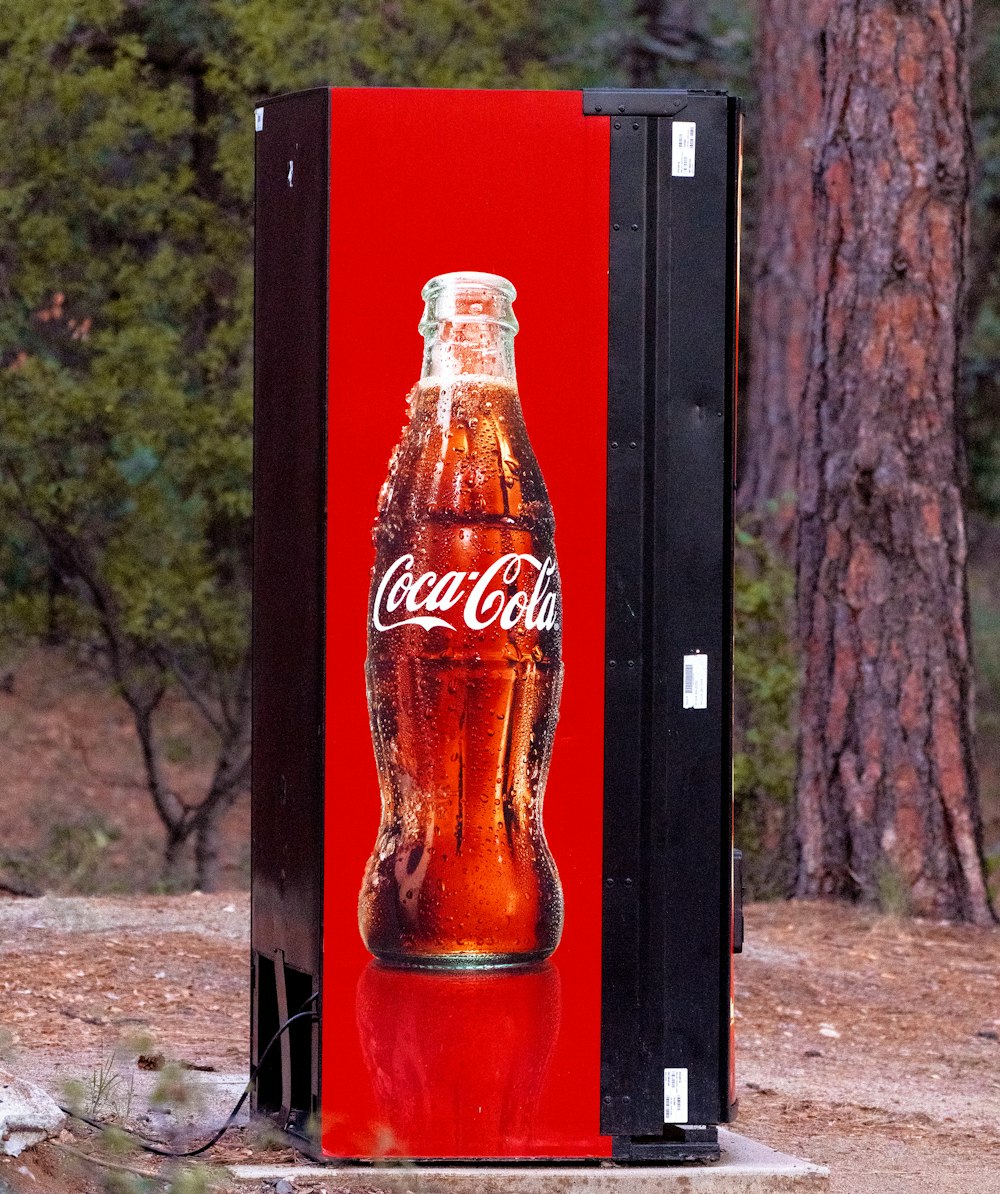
x: 746, y: 1167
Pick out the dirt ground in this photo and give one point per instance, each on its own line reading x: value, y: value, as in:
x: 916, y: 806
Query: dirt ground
x: 866, y: 1043
x: 872, y: 1045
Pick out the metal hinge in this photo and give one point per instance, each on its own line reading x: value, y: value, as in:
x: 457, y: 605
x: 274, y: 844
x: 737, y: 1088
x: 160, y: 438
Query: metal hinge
x: 633, y: 102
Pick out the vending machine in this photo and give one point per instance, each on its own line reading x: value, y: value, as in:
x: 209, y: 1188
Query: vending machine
x: 493, y: 899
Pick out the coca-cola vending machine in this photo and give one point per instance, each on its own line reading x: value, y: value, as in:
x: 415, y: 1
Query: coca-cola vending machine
x: 493, y: 905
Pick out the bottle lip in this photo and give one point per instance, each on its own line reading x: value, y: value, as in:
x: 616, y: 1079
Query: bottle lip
x: 471, y: 278
x: 443, y: 300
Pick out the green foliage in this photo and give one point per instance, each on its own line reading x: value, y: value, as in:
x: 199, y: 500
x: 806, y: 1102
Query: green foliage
x: 180, y: 1179
x: 982, y: 350
x: 70, y: 862
x: 766, y: 683
x: 198, y: 1179
x: 107, y: 1091
x: 985, y: 611
x: 406, y: 43
x: 125, y: 396
x: 984, y: 597
x: 125, y: 408
x: 177, y: 750
x: 174, y: 1090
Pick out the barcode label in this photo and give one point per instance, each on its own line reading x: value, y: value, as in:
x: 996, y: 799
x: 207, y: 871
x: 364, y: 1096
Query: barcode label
x: 675, y: 1096
x: 258, y: 119
x: 682, y: 158
x: 696, y: 681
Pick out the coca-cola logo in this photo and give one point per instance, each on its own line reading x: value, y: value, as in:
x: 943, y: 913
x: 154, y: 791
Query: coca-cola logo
x: 485, y: 602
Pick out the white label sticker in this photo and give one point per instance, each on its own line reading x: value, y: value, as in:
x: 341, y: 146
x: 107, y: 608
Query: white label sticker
x: 682, y: 159
x: 695, y: 681
x: 675, y: 1096
x: 258, y: 119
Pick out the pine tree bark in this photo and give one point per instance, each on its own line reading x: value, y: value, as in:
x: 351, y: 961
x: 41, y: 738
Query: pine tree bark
x: 887, y: 785
x: 782, y: 267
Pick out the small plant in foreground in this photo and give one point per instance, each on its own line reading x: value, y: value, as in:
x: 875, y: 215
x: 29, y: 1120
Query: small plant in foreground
x: 106, y: 1091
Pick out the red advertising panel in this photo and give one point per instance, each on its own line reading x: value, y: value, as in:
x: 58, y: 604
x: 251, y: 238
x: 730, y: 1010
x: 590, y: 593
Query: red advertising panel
x: 471, y: 1060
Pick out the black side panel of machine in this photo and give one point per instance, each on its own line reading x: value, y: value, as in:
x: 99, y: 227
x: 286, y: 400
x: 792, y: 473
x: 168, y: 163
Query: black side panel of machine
x: 290, y: 372
x: 668, y: 795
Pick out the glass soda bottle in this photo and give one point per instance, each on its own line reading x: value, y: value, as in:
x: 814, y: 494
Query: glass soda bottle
x: 464, y: 668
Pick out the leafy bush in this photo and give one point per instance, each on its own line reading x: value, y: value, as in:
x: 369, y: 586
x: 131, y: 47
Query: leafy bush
x: 70, y: 862
x: 766, y: 682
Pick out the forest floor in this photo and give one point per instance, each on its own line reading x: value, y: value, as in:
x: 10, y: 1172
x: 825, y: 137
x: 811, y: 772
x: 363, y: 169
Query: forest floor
x: 866, y: 1043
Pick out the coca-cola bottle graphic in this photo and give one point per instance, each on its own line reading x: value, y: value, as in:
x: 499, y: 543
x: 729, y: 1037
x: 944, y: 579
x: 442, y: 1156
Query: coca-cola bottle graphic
x: 464, y: 665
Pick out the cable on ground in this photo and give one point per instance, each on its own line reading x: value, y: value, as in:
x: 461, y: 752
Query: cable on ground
x: 156, y: 1147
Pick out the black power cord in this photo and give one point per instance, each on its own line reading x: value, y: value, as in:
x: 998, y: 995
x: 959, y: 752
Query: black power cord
x: 156, y: 1149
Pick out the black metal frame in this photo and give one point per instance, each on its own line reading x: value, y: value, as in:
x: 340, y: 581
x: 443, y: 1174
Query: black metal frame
x: 290, y: 402
x: 668, y: 903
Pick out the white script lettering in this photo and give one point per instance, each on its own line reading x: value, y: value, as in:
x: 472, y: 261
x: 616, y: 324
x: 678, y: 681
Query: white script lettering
x: 488, y: 600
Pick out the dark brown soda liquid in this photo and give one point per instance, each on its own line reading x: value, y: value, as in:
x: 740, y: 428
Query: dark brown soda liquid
x: 463, y: 712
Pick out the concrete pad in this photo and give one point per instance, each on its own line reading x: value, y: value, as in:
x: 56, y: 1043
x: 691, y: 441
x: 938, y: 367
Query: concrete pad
x: 745, y: 1167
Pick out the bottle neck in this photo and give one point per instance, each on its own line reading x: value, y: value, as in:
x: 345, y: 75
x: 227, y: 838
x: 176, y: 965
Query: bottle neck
x: 468, y: 328
x: 468, y: 348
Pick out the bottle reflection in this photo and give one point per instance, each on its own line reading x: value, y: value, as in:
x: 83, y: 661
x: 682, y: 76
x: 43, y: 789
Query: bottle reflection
x: 458, y: 1060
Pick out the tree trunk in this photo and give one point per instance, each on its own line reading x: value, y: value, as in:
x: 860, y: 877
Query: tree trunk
x: 231, y: 772
x: 887, y: 787
x: 173, y: 848
x: 206, y: 851
x: 782, y: 270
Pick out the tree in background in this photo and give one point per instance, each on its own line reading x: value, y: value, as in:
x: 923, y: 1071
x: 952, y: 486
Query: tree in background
x: 788, y: 115
x: 125, y: 280
x: 125, y: 404
x: 887, y: 783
